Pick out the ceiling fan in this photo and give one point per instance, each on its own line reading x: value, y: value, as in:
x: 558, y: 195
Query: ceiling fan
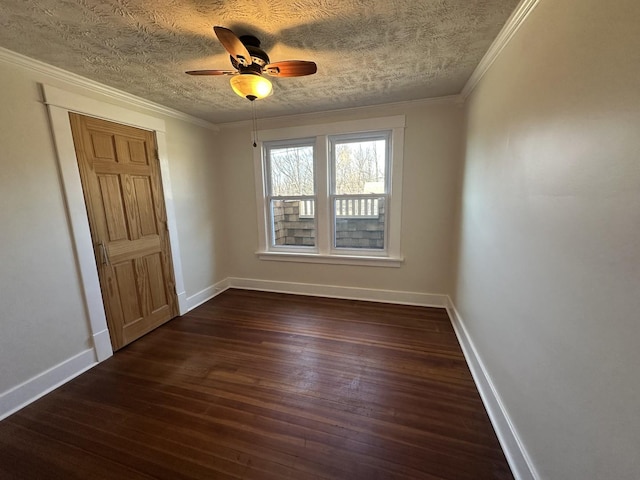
x: 251, y: 62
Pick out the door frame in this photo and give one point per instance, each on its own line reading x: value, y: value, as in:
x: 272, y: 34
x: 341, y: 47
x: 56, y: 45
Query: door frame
x: 59, y: 103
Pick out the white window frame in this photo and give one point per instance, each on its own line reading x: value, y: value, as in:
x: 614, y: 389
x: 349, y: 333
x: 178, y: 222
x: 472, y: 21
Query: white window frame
x: 268, y: 195
x: 357, y: 137
x: 324, y: 252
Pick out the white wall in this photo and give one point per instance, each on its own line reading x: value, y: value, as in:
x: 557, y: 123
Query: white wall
x: 195, y: 181
x: 547, y: 279
x: 432, y: 158
x: 548, y: 282
x: 43, y: 319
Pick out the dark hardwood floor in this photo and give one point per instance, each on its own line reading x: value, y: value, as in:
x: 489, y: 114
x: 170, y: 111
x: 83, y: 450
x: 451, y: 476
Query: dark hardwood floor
x: 255, y: 385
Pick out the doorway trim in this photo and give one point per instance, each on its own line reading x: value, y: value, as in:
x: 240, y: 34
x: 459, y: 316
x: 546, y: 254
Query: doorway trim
x: 59, y: 103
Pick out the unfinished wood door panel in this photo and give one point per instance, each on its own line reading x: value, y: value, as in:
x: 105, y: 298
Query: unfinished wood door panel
x: 123, y: 192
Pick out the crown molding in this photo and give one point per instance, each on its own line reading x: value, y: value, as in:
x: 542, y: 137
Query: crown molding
x: 36, y: 66
x: 449, y: 99
x: 514, y: 22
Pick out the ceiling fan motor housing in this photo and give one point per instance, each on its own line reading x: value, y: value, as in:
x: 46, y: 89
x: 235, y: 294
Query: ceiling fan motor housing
x: 259, y: 57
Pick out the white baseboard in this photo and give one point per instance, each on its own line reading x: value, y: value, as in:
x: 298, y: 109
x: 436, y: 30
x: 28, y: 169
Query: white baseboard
x: 21, y: 395
x: 519, y: 461
x: 350, y: 293
x: 207, y: 294
x: 38, y: 386
x: 183, y: 303
x: 102, y: 345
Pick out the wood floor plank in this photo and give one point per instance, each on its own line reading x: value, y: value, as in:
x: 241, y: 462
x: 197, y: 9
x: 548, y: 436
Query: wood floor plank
x: 256, y: 385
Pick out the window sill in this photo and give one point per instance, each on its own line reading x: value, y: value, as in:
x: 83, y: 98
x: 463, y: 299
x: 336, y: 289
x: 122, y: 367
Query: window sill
x: 359, y: 260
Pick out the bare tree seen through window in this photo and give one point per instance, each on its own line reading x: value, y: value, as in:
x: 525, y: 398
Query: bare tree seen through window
x: 360, y: 167
x: 292, y: 171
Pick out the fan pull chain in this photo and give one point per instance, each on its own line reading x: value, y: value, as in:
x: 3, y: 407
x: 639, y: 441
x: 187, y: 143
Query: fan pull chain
x: 255, y: 124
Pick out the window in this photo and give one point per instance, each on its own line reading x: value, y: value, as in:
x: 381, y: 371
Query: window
x: 359, y: 190
x: 291, y: 193
x: 331, y: 193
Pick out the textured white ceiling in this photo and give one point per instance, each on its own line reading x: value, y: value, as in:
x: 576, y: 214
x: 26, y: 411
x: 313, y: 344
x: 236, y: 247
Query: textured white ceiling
x: 368, y: 51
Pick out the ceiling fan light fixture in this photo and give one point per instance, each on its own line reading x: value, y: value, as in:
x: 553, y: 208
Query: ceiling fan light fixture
x: 251, y: 86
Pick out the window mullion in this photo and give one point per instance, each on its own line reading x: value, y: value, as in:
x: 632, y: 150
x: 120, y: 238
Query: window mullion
x: 323, y: 223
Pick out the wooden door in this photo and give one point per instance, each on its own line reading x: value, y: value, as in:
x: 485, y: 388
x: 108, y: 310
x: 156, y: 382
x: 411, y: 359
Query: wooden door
x: 120, y: 175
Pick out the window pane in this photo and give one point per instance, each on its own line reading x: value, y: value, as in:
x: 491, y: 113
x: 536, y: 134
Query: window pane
x: 360, y: 167
x: 293, y: 222
x: 291, y: 171
x: 359, y: 222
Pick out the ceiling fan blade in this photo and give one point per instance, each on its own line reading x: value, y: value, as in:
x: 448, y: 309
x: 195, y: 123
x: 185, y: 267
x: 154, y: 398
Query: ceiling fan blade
x: 291, y: 68
x: 233, y: 45
x: 211, y: 72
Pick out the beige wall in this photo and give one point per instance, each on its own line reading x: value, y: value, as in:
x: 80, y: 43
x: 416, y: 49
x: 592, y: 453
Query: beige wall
x: 43, y: 320
x: 547, y: 279
x: 548, y: 282
x: 433, y: 142
x: 196, y: 186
